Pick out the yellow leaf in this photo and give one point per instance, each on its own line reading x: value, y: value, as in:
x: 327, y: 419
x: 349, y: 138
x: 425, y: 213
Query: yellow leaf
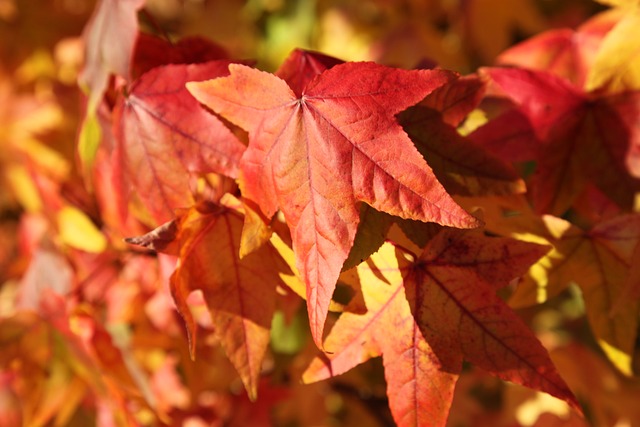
x: 617, y: 64
x: 293, y: 281
x: 88, y: 142
x: 77, y: 231
x: 23, y: 188
x: 255, y: 231
x: 618, y: 3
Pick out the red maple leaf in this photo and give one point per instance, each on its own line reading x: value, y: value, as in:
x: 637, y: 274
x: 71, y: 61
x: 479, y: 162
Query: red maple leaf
x: 151, y: 52
x: 427, y: 314
x: 164, y: 137
x: 584, y: 137
x: 317, y: 155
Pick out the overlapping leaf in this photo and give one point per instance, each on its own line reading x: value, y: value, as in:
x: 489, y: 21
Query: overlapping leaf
x: 456, y: 99
x: 565, y: 52
x: 240, y: 293
x: 599, y: 260
x: 109, y: 40
x: 110, y: 37
x: 462, y: 167
x: 165, y: 138
x: 316, y: 156
x: 584, y: 138
x: 618, y: 61
x: 151, y: 52
x: 425, y: 315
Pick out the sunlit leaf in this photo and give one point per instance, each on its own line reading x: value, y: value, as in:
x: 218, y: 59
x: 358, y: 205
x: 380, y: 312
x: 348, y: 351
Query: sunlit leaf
x: 317, y: 156
x: 425, y: 315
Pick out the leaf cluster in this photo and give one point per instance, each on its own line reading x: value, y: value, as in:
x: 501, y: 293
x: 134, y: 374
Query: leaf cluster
x: 304, y: 220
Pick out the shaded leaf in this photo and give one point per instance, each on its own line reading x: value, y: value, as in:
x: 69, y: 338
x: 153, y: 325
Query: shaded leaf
x: 161, y: 239
x: 509, y: 137
x: 301, y: 66
x: 463, y: 168
x: 456, y: 99
x: 372, y: 231
x: 151, y: 52
x: 584, y: 138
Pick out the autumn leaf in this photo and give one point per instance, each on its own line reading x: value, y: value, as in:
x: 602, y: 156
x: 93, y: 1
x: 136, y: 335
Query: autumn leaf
x: 598, y: 258
x: 371, y: 234
x: 151, y: 51
x: 584, y: 137
x: 298, y: 70
x: 316, y: 156
x: 462, y: 167
x: 618, y: 60
x: 509, y: 137
x: 240, y: 293
x: 632, y: 284
x: 109, y: 40
x: 164, y: 138
x: 565, y: 52
x: 110, y: 37
x: 427, y: 314
x: 301, y: 66
x: 599, y: 262
x: 456, y: 99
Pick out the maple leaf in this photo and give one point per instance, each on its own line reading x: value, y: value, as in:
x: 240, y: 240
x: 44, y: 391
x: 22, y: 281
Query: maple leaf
x: 462, y: 167
x: 599, y: 259
x: 240, y: 293
x: 163, y: 137
x: 509, y: 136
x: 584, y: 137
x: 316, y: 156
x: 426, y: 314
